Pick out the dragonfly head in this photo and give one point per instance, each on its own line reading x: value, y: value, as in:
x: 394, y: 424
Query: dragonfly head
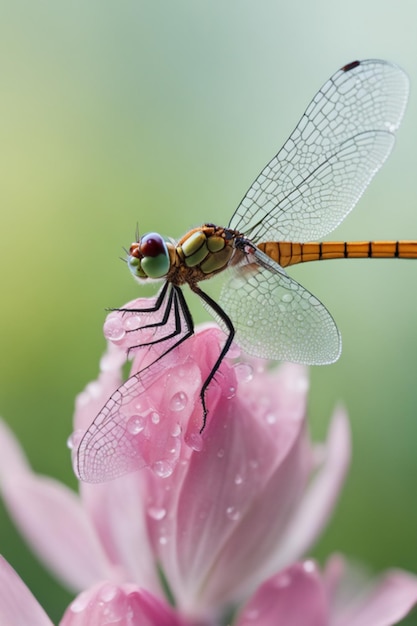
x: 149, y: 257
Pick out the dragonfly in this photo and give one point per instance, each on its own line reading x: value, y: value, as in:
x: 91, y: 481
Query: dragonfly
x: 301, y: 195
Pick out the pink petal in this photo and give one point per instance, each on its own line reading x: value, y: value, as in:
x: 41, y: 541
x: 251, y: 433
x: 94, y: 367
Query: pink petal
x: 89, y: 402
x: 124, y: 605
x: 18, y: 607
x: 117, y: 510
x: 51, y: 518
x: 225, y: 512
x: 319, y: 500
x: 385, y: 603
x: 155, y: 417
x: 295, y: 597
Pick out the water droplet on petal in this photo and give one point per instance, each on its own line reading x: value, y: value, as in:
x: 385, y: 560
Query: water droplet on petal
x: 175, y: 449
x: 178, y: 401
x: 157, y: 513
x: 309, y: 567
x: 176, y: 430
x: 136, y: 424
x: 238, y: 479
x: 270, y: 418
x: 163, y: 469
x: 220, y: 453
x: 244, y: 372
x: 113, y: 329
x: 75, y: 438
x: 232, y: 513
x: 231, y: 392
x: 131, y: 322
x: 108, y: 593
x: 155, y: 417
x: 163, y: 540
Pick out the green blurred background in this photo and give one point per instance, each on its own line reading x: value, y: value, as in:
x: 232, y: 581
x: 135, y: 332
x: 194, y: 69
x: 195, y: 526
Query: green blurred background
x: 162, y: 113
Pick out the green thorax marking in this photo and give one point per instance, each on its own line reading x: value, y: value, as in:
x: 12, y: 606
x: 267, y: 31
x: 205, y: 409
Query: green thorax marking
x: 206, y: 249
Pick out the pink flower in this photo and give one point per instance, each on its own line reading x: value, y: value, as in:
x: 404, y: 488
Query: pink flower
x: 218, y: 515
x: 297, y: 596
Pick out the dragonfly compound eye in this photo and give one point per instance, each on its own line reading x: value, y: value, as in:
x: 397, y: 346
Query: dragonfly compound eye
x: 154, y: 255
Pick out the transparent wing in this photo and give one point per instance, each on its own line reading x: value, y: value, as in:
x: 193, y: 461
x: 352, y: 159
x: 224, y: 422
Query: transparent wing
x: 317, y: 177
x: 276, y: 318
x: 113, y: 445
x: 117, y: 440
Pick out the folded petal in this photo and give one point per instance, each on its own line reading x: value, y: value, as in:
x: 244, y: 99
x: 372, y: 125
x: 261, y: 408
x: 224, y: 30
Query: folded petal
x: 51, y: 518
x: 18, y: 607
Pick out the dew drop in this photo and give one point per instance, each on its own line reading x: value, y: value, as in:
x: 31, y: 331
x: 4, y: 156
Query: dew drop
x: 176, y: 430
x: 157, y: 513
x: 175, y: 448
x: 287, y: 297
x: 163, y: 469
x: 132, y: 322
x: 270, y: 418
x: 231, y: 392
x: 309, y: 567
x: 108, y: 593
x: 163, y: 540
x: 220, y: 453
x: 244, y: 372
x: 232, y: 513
x: 74, y: 439
x: 155, y: 417
x: 113, y: 330
x: 178, y: 401
x: 135, y: 424
x: 238, y: 479
x: 249, y: 322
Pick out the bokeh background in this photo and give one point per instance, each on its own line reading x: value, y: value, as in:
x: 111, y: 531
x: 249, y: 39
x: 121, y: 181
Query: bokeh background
x: 161, y: 114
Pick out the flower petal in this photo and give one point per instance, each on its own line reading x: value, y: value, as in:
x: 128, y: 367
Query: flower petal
x: 382, y: 604
x: 320, y: 498
x: 51, y: 518
x: 18, y: 607
x: 295, y: 597
x: 227, y: 508
x: 117, y: 510
x: 123, y: 605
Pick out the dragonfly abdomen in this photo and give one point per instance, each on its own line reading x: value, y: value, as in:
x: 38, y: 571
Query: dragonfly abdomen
x: 289, y: 253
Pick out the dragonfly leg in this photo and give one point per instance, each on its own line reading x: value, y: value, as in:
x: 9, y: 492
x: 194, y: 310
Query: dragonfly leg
x: 219, y: 313
x: 155, y: 307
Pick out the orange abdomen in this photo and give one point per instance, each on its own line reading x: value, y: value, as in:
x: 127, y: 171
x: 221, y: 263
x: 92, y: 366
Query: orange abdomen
x: 288, y: 253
